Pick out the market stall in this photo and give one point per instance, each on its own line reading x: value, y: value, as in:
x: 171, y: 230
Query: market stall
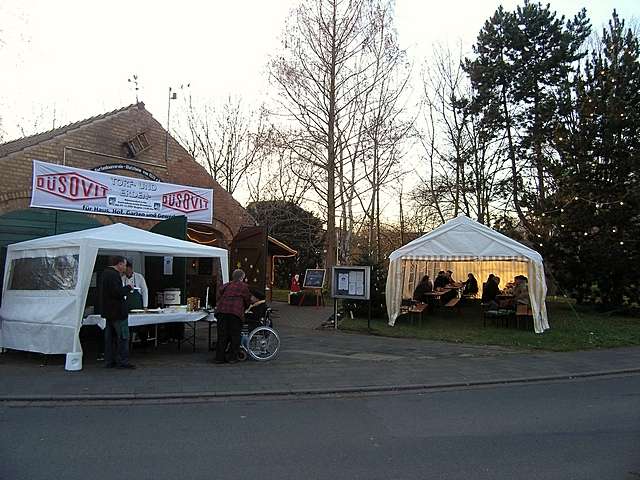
x: 47, y: 280
x: 463, y: 245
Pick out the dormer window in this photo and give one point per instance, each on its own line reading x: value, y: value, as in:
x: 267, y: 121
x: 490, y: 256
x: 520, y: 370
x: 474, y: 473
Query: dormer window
x: 137, y: 144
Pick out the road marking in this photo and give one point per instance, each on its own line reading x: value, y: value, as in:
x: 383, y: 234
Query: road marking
x: 352, y: 356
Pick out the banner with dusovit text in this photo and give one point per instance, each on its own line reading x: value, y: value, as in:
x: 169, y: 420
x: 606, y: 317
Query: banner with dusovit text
x: 66, y: 188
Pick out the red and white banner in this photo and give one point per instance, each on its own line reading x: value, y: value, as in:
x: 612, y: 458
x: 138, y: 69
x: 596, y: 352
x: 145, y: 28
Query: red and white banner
x: 67, y: 188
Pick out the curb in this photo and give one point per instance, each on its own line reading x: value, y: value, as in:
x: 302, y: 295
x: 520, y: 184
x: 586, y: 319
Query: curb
x: 303, y: 392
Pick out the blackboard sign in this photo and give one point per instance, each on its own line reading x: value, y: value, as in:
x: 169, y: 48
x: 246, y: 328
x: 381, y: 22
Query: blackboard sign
x: 351, y: 282
x: 314, y: 278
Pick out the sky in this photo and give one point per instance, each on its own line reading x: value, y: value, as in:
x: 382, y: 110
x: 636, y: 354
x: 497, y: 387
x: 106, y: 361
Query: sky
x: 74, y: 57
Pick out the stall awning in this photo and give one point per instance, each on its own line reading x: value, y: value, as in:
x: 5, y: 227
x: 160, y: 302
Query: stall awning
x: 279, y: 249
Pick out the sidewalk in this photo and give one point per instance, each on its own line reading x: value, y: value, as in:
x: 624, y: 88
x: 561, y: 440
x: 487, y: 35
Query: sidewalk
x: 310, y: 361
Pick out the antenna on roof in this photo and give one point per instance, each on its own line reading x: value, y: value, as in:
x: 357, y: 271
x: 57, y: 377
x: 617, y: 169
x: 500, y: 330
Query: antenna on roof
x: 134, y: 80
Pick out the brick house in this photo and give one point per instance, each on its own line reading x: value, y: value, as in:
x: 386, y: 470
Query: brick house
x: 129, y: 136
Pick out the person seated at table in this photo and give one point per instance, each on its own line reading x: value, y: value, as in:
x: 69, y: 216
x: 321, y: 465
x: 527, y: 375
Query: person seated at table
x: 521, y: 291
x: 425, y: 286
x: 490, y: 290
x: 441, y: 281
x: 449, y: 277
x: 470, y: 286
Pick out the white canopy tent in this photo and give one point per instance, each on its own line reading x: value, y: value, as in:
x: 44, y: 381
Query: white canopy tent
x: 463, y: 240
x: 46, y: 282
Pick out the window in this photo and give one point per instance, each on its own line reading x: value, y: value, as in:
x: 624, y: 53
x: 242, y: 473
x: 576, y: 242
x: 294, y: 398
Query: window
x: 44, y: 273
x: 137, y: 144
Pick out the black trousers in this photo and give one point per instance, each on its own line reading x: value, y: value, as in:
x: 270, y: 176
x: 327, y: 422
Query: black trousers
x: 229, y: 330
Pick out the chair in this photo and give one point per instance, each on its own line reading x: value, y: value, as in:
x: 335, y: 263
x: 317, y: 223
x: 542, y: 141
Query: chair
x: 500, y: 315
x: 524, y: 314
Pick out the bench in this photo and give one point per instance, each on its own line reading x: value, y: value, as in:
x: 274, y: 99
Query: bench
x: 417, y: 310
x: 452, y: 303
x: 524, y: 314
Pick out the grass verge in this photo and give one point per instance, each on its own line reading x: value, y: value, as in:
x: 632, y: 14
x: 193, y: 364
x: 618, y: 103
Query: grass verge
x: 586, y: 330
x: 280, y: 295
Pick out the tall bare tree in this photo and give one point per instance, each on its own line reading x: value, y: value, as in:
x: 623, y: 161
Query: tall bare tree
x: 341, y: 81
x: 229, y: 140
x: 282, y: 176
x: 316, y: 80
x: 465, y: 159
x: 386, y: 126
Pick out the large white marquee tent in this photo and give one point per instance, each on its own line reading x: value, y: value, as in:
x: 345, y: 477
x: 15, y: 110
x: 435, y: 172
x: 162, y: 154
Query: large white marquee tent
x: 43, y: 313
x: 470, y: 247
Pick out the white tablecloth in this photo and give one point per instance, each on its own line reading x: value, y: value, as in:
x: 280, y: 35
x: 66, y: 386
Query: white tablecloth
x: 137, y: 319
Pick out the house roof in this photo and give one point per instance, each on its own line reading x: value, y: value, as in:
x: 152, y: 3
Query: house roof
x: 26, y: 142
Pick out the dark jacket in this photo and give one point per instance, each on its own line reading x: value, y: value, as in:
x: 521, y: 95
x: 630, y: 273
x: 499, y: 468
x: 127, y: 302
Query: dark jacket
x: 470, y: 286
x: 114, y: 295
x: 421, y: 289
x: 440, y: 282
x: 490, y: 291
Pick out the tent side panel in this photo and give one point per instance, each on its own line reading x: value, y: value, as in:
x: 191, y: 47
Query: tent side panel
x: 37, y: 319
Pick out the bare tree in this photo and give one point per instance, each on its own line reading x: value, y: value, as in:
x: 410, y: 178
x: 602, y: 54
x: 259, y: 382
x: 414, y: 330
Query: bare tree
x: 385, y: 127
x: 465, y: 159
x: 316, y: 79
x: 228, y: 140
x: 282, y: 176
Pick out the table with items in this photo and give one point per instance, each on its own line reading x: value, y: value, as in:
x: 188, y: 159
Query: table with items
x: 159, y: 316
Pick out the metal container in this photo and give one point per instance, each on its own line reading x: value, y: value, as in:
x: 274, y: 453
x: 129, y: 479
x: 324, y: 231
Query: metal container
x: 172, y: 296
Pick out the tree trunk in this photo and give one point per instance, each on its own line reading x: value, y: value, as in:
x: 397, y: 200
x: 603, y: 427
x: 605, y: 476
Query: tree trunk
x: 330, y: 241
x: 514, y: 165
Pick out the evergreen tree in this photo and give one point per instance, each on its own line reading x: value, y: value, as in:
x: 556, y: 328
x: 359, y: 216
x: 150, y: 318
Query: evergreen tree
x: 595, y: 226
x: 521, y: 65
x: 297, y: 228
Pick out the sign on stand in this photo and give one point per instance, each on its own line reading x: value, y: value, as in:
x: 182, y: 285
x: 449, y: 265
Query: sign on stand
x: 351, y: 282
x: 314, y: 281
x: 314, y: 278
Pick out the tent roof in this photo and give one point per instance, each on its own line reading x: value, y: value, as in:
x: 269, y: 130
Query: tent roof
x: 123, y: 237
x: 465, y: 239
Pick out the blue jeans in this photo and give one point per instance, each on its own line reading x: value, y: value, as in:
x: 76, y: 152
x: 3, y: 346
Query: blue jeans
x: 116, y: 338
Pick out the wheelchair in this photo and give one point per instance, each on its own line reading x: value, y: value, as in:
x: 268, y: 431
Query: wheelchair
x: 258, y: 339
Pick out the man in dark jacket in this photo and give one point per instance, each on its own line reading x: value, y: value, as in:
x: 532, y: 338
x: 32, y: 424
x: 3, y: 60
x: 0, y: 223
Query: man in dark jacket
x: 114, y: 310
x: 441, y: 280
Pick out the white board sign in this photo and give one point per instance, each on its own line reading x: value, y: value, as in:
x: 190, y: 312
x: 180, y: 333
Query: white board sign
x: 351, y: 281
x: 66, y: 188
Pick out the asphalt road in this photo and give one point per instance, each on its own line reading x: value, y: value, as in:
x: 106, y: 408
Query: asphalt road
x: 582, y: 429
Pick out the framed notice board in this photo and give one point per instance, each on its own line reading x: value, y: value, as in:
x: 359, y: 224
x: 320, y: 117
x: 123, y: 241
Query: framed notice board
x: 314, y: 278
x: 351, y: 282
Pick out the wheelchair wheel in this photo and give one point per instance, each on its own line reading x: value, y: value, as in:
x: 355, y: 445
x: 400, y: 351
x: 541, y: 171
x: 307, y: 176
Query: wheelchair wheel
x: 263, y: 344
x: 242, y: 355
